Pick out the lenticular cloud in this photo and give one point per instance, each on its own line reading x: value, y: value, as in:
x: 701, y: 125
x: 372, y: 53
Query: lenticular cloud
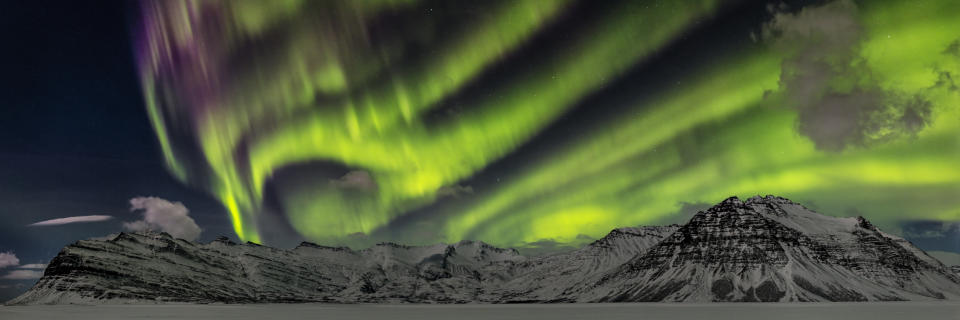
x: 69, y: 220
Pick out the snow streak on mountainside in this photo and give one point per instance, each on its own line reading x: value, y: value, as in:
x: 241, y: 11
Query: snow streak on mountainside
x: 764, y: 249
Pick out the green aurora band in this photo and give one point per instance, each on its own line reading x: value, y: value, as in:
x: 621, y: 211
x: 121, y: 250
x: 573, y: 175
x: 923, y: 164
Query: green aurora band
x: 239, y: 90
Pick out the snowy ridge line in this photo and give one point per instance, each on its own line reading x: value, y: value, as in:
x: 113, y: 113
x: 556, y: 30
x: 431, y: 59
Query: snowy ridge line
x: 762, y: 249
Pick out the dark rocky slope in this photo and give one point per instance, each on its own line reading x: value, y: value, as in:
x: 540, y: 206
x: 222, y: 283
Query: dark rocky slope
x: 763, y: 249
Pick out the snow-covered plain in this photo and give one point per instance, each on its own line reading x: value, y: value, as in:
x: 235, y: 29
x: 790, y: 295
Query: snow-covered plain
x: 666, y: 311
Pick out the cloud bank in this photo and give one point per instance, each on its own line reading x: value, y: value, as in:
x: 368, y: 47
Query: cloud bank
x: 8, y: 259
x: 162, y: 215
x: 68, y: 220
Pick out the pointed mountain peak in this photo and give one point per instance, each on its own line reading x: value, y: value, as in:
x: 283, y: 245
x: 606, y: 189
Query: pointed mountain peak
x: 769, y: 199
x: 731, y: 201
x: 728, y: 205
x: 864, y: 223
x: 768, y: 204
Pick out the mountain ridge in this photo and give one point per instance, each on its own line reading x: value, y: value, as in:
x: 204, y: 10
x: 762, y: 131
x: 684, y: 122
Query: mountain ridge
x: 762, y: 249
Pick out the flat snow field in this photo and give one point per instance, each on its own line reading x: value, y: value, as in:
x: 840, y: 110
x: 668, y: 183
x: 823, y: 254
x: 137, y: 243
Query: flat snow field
x: 737, y: 311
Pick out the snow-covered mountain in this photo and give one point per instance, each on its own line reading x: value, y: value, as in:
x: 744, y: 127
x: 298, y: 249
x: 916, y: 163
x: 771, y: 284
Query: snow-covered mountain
x: 548, y: 279
x: 763, y: 249
x: 772, y: 249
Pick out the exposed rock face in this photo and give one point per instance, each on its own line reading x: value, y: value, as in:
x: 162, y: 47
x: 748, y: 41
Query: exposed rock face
x: 155, y: 266
x: 553, y: 278
x: 771, y: 249
x: 764, y: 249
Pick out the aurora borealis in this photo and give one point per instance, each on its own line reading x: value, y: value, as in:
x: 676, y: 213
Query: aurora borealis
x: 514, y: 122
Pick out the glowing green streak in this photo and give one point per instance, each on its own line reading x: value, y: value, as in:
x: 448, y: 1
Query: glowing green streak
x: 603, y: 151
x: 196, y: 46
x: 702, y: 142
x: 157, y: 121
x: 641, y: 169
x: 458, y: 64
x: 744, y: 160
x: 414, y: 92
x: 413, y: 162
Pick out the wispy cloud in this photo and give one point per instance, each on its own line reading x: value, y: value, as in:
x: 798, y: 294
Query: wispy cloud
x: 8, y: 259
x: 22, y: 274
x: 33, y: 266
x: 68, y: 220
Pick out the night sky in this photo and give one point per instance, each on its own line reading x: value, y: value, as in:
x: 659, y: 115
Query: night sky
x: 75, y: 139
x: 534, y: 124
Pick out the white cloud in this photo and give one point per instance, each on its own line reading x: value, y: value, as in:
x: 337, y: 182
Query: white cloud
x: 8, y: 259
x: 33, y: 266
x: 163, y: 215
x: 77, y: 219
x: 21, y: 274
x: 822, y: 45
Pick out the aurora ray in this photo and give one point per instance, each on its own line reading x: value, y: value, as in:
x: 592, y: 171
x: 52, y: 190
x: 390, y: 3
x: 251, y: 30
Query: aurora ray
x: 643, y: 168
x: 414, y: 99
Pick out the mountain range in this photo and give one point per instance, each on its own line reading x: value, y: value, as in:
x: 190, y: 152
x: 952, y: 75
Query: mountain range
x: 763, y: 249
